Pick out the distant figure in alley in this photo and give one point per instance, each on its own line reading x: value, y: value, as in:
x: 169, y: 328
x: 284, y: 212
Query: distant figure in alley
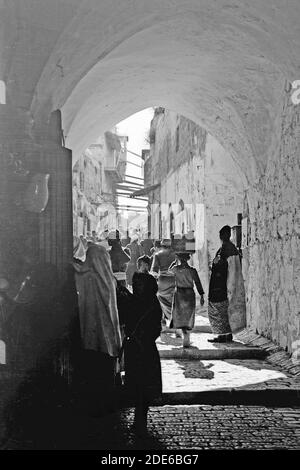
x: 184, y: 304
x: 134, y: 250
x: 162, y: 260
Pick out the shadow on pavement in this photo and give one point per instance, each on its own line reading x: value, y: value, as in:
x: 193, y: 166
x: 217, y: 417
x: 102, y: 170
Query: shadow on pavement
x: 42, y: 416
x: 196, y: 369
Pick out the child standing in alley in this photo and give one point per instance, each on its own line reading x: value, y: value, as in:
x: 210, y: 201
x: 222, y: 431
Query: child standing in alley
x: 143, y: 326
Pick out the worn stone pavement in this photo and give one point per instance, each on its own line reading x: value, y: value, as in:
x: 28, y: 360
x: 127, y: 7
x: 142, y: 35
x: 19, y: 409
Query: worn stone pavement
x: 211, y: 427
x: 190, y: 423
x: 171, y: 347
x: 276, y: 372
x: 199, y: 427
x: 191, y: 375
x: 183, y: 376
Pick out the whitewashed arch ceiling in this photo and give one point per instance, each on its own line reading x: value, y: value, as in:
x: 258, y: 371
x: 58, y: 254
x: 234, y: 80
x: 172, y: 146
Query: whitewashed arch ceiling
x: 222, y: 63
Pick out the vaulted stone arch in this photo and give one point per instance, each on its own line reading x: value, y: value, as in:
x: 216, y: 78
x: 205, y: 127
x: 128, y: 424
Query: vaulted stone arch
x: 227, y: 65
x: 222, y: 65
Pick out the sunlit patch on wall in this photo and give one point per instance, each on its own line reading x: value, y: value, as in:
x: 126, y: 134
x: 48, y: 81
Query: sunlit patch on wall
x: 2, y: 92
x: 2, y: 352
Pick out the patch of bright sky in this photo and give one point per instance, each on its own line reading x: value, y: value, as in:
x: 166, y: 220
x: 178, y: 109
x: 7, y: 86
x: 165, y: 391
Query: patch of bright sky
x: 136, y: 127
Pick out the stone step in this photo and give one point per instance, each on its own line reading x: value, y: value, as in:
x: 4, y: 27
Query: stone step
x: 222, y: 353
x: 197, y: 329
x: 231, y: 381
x: 268, y: 397
x: 170, y: 347
x: 227, y: 382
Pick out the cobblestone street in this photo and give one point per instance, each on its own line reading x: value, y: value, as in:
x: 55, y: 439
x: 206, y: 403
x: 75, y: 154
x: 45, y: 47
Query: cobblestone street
x: 150, y: 225
x: 220, y: 427
x: 188, y: 427
x: 228, y: 420
x: 224, y: 369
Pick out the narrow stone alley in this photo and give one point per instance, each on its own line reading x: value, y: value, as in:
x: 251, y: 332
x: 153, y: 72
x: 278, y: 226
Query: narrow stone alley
x: 221, y: 81
x: 205, y: 427
x: 232, y: 396
x: 240, y: 395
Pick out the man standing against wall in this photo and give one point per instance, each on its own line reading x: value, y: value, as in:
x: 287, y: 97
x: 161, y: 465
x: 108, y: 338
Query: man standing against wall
x: 226, y: 297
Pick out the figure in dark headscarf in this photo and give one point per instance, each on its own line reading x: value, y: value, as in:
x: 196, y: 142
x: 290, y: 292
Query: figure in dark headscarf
x: 135, y: 251
x: 147, y: 244
x: 155, y: 249
x: 119, y: 259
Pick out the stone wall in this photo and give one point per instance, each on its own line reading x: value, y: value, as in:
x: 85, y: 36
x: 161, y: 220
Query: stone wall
x: 273, y: 277
x: 223, y: 192
x: 209, y: 176
x: 177, y: 162
x: 194, y: 168
x: 87, y: 186
x: 35, y: 249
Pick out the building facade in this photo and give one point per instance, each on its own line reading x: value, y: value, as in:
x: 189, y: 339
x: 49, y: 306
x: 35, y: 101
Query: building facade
x: 194, y: 185
x: 95, y: 176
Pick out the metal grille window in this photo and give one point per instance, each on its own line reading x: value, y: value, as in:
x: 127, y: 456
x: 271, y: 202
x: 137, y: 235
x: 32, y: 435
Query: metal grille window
x: 81, y: 181
x: 177, y: 138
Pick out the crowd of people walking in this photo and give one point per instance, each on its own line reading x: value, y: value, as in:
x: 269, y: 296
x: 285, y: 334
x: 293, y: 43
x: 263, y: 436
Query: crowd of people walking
x: 129, y: 294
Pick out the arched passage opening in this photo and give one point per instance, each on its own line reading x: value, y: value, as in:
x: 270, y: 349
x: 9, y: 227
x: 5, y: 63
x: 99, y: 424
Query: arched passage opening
x: 226, y: 67
x: 231, y: 81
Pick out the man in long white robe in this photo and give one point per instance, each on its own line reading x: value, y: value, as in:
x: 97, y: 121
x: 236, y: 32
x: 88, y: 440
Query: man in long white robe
x: 226, y: 299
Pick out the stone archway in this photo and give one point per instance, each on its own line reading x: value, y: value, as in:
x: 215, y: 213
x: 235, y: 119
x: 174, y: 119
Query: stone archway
x: 225, y: 65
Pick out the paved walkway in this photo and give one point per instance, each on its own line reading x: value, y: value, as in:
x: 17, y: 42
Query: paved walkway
x: 180, y: 427
x: 220, y: 427
x: 171, y: 347
x: 226, y: 422
x: 179, y: 376
x: 194, y: 374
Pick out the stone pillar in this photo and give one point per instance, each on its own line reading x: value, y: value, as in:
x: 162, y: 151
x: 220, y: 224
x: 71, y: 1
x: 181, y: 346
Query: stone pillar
x: 19, y: 157
x: 36, y: 246
x: 55, y: 223
x: 33, y: 245
x: 28, y: 238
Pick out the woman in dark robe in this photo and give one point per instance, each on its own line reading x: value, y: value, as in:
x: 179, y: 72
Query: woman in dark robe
x: 143, y: 325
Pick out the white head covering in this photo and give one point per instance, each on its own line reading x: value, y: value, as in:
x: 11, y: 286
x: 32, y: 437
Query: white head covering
x: 79, y: 250
x: 105, y: 244
x: 96, y: 286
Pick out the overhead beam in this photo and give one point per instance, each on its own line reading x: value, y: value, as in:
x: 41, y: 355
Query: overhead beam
x: 133, y: 153
x: 134, y: 164
x: 130, y: 183
x: 135, y: 177
x: 126, y: 196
